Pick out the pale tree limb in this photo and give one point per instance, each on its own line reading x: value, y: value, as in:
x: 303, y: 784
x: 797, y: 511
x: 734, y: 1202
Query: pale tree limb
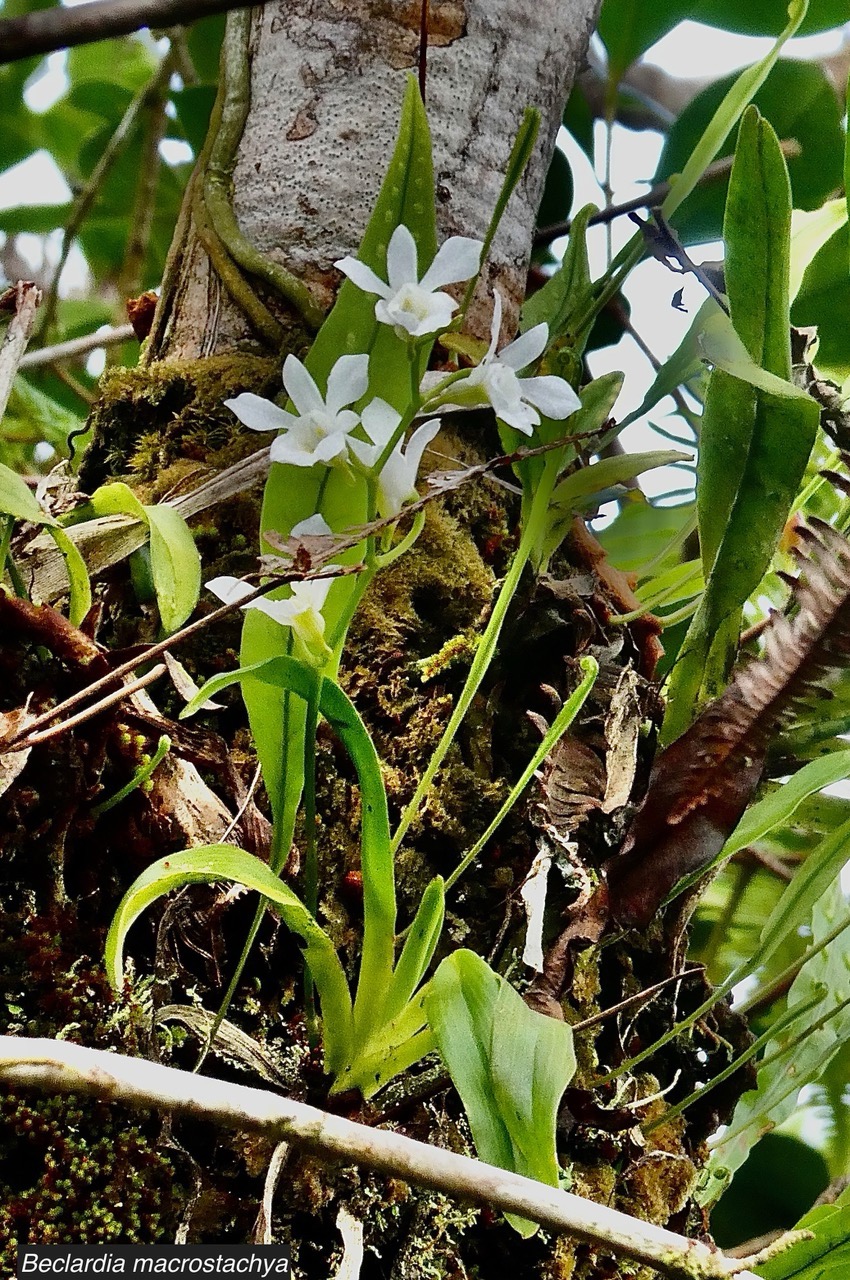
x: 77, y: 346
x: 58, y: 1067
x: 59, y: 28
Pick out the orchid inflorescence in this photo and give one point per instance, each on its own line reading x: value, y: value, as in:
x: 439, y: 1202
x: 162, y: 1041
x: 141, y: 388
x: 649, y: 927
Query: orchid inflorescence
x: 327, y: 430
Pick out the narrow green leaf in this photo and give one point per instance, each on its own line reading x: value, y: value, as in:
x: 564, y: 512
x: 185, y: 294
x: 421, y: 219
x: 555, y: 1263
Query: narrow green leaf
x: 809, y: 233
x: 212, y: 863
x: 509, y: 1064
x: 728, y: 113
x: 419, y: 947
x: 754, y: 443
x: 79, y: 600
x: 814, y: 877
x: 117, y: 499
x: 558, y: 299
x: 175, y: 565
x: 17, y: 499
x: 607, y: 471
x: 720, y: 344
x: 379, y: 905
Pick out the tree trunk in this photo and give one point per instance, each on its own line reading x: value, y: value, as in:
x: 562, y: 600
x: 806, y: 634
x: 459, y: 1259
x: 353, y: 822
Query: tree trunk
x: 326, y: 83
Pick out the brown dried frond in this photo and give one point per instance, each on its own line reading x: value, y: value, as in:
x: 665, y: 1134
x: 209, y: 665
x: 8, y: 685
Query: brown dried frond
x: 701, y: 785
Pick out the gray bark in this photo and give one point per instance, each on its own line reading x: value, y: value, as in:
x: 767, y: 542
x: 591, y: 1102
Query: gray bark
x: 327, y: 79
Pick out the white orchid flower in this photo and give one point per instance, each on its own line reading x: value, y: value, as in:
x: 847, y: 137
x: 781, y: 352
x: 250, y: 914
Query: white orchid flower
x: 515, y: 400
x: 302, y: 610
x: 397, y: 478
x: 414, y: 306
x: 319, y: 430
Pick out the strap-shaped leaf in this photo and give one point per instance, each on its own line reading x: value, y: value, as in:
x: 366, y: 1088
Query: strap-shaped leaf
x: 215, y: 862
x: 379, y: 905
x: 18, y: 501
x: 754, y: 443
x: 509, y: 1064
x: 175, y: 562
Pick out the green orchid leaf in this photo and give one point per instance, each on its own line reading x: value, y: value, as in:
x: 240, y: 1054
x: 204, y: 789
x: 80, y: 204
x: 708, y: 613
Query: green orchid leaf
x: 799, y: 101
x: 809, y: 233
x: 794, y: 908
x: 509, y: 1064
x: 755, y: 440
x: 223, y: 862
x: 720, y: 344
x: 561, y: 295
x: 79, y: 598
x: 379, y: 905
x: 823, y: 301
x: 616, y: 470
x: 175, y: 565
x: 175, y: 562
x: 728, y: 113
x: 419, y: 947
x: 17, y: 499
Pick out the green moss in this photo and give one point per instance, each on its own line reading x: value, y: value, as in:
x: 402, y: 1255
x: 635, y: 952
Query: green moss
x: 161, y: 424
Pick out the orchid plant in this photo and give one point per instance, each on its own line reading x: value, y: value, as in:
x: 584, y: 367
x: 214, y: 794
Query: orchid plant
x: 346, y: 457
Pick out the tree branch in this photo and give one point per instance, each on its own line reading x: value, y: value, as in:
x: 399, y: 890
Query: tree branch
x: 58, y: 28
x: 58, y: 1067
x: 77, y: 346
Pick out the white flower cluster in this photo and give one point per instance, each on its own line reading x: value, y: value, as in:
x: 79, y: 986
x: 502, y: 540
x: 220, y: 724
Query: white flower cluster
x: 326, y: 429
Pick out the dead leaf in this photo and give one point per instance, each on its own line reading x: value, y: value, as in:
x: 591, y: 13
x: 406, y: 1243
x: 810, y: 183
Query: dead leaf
x: 701, y: 785
x: 12, y: 725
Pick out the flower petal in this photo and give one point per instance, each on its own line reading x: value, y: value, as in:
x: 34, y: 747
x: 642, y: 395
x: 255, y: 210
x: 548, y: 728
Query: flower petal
x: 418, y: 443
x: 364, y: 277
x: 313, y: 527
x: 495, y: 327
x: 379, y: 420
x: 347, y: 382
x: 301, y: 387
x: 402, y: 259
x: 229, y: 590
x: 553, y: 396
x: 521, y: 417
x: 525, y: 349
x: 457, y: 259
x: 330, y: 447
x: 259, y: 414
x: 366, y: 454
x: 291, y: 452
